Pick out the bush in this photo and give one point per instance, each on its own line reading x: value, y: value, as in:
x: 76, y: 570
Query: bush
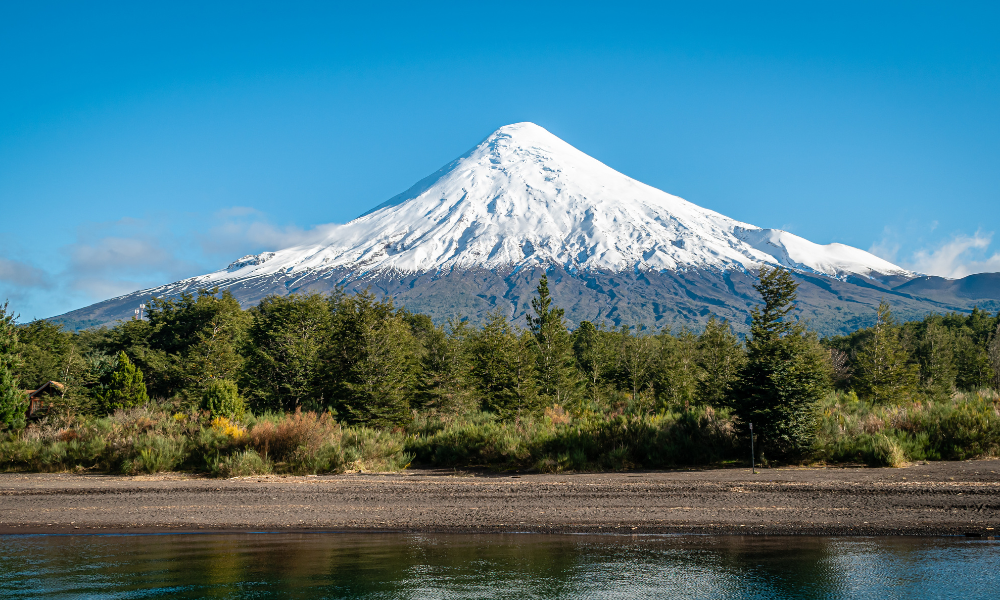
x: 222, y: 399
x: 127, y: 389
x: 243, y: 464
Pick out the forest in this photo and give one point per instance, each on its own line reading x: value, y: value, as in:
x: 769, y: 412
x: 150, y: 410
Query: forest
x: 329, y: 383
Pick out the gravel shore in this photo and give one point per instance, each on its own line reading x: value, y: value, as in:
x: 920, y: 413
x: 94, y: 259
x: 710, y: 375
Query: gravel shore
x: 952, y: 498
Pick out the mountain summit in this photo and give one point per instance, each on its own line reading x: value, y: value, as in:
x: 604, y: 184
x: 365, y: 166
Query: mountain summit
x: 479, y: 232
x: 523, y: 197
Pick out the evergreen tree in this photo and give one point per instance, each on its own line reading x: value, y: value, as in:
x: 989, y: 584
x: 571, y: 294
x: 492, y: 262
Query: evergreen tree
x: 974, y: 368
x: 595, y: 349
x: 126, y: 389
x: 720, y: 357
x: 677, y: 373
x: 937, y: 359
x: 882, y: 370
x: 553, y: 348
x: 785, y: 375
x: 373, y: 359
x: 503, y: 368
x: 222, y: 399
x: 13, y: 400
x: 284, y: 346
x: 637, y: 358
x: 446, y: 370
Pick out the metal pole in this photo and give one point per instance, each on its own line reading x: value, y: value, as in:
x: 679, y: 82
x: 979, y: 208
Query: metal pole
x: 753, y: 457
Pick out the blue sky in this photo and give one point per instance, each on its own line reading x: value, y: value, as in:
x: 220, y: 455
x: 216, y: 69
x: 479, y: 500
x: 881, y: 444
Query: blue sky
x: 141, y: 143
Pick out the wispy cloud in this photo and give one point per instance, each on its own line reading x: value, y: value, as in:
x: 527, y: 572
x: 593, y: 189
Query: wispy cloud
x: 960, y: 256
x: 240, y: 230
x: 23, y: 275
x: 955, y: 257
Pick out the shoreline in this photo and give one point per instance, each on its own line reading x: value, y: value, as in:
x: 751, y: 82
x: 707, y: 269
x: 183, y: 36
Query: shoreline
x: 940, y: 498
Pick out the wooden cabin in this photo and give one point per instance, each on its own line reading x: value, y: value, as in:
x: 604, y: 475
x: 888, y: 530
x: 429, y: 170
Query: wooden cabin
x: 41, y: 399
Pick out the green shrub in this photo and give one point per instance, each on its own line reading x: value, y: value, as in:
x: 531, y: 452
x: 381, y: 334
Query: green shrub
x: 127, y: 389
x: 242, y: 464
x: 222, y: 399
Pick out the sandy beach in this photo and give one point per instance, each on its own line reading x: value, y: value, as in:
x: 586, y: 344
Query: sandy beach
x: 954, y: 498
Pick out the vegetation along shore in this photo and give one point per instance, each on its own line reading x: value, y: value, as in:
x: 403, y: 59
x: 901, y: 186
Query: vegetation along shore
x: 315, y: 384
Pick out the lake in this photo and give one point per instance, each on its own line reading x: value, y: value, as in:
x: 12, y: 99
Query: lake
x: 341, y: 565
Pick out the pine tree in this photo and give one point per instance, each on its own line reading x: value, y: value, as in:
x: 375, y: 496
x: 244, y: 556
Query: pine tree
x: 553, y: 348
x: 373, y: 360
x: 720, y: 357
x: 594, y: 348
x: 13, y: 400
x: 677, y: 373
x: 637, y: 359
x: 127, y: 389
x: 937, y: 359
x: 882, y: 370
x: 785, y: 375
x: 504, y: 368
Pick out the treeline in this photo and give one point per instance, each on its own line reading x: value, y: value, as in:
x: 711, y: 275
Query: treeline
x: 364, y: 362
x: 933, y: 358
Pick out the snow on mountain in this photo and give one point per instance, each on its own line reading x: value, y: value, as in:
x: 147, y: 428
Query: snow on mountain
x: 524, y: 197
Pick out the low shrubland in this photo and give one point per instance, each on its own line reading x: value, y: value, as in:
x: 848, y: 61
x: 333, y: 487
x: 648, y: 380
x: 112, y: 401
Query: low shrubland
x: 150, y: 440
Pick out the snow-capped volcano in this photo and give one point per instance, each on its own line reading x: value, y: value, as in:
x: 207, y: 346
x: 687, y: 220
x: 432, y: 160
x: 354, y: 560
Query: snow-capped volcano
x: 525, y: 197
x: 477, y: 235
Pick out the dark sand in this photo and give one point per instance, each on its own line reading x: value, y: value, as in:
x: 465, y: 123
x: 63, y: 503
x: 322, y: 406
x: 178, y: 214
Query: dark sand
x: 937, y: 498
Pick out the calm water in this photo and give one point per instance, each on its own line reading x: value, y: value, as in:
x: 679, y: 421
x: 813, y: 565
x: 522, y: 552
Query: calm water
x: 495, y: 566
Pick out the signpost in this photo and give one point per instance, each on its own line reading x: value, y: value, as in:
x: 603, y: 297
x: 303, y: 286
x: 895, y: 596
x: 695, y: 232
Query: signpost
x: 753, y: 462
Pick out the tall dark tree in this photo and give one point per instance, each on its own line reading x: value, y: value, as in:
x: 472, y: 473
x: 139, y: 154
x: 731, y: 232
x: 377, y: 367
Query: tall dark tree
x: 284, y: 349
x: 503, y: 368
x: 786, y: 373
x: 372, y: 361
x: 637, y: 360
x: 446, y: 370
x: 553, y: 348
x: 126, y: 389
x: 595, y: 349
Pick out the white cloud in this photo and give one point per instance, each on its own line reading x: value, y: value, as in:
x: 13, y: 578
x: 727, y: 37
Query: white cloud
x: 245, y: 231
x: 23, y: 275
x: 960, y: 256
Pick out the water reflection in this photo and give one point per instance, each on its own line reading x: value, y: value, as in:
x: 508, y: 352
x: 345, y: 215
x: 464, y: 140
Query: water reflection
x: 495, y: 566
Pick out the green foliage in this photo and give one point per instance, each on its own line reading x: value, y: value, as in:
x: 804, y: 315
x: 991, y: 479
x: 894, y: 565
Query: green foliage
x: 962, y: 426
x: 595, y: 349
x: 555, y: 364
x: 13, y: 400
x: 503, y: 368
x: 785, y: 375
x: 883, y: 372
x: 284, y: 345
x: 677, y: 371
x: 222, y: 399
x: 126, y: 389
x: 720, y: 358
x: 372, y: 360
x: 445, y: 380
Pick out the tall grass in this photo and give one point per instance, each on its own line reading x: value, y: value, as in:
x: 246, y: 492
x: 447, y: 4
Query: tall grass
x: 149, y: 440
x: 965, y: 425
